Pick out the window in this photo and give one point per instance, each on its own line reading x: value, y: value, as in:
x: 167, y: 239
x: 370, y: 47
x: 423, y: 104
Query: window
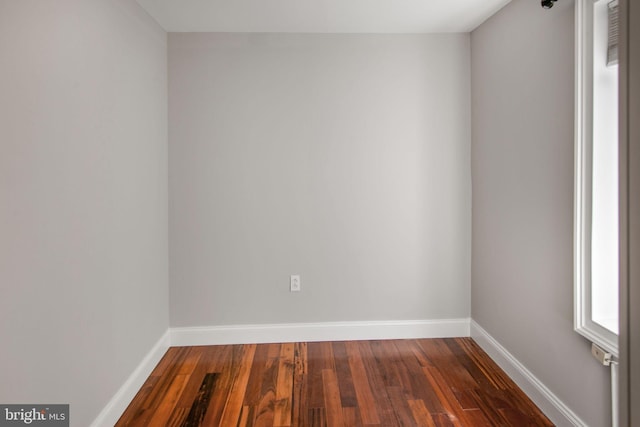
x: 596, y: 169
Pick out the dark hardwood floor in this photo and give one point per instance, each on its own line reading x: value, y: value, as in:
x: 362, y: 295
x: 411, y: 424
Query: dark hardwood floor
x: 426, y: 382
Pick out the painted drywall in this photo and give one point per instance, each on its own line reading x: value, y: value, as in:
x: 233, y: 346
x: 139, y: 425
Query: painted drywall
x: 522, y: 170
x: 83, y: 199
x: 342, y: 158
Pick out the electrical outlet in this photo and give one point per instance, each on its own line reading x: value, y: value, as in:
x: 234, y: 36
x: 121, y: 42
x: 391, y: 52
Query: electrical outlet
x: 601, y: 355
x: 295, y: 283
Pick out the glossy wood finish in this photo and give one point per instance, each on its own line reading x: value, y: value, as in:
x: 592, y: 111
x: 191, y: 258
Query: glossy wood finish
x: 428, y: 382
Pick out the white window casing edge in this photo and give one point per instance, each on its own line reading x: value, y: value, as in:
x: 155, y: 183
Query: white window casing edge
x: 583, y: 323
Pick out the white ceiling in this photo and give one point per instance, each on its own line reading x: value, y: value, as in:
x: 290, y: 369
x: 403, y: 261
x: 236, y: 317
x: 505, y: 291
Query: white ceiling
x: 322, y: 16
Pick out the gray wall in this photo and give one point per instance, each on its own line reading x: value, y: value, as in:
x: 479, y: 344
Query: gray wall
x: 83, y: 199
x: 342, y: 158
x: 522, y: 169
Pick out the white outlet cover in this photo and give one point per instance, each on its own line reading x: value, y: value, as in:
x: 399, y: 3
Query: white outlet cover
x: 295, y: 283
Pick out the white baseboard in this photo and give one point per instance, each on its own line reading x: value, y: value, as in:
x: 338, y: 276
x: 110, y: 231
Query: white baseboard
x: 329, y: 331
x: 557, y: 411
x: 123, y: 397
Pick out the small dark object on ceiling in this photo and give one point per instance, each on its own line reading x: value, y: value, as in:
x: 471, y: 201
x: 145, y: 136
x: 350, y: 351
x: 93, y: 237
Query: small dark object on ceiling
x: 547, y: 4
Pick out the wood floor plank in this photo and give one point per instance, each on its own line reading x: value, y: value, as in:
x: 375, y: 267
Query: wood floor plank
x: 420, y: 413
x: 207, y: 363
x: 400, y: 406
x: 364, y: 395
x: 169, y: 360
x: 228, y: 364
x: 482, y: 369
x: 300, y: 392
x: 233, y: 407
x: 191, y: 360
x: 457, y: 374
x: 201, y: 404
x: 406, y: 365
x: 351, y: 417
x: 319, y: 357
x: 284, y: 387
x: 317, y: 417
x: 383, y: 406
x: 450, y: 403
x: 386, y: 362
x: 264, y: 410
x: 426, y: 382
x: 177, y: 417
x: 477, y: 418
x: 333, y: 405
x: 484, y: 402
x: 164, y: 410
x: 244, y: 417
x: 253, y: 393
x: 345, y: 379
x: 442, y: 420
x: 420, y: 388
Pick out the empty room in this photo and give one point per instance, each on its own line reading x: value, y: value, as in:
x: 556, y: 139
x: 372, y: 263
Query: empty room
x: 318, y: 213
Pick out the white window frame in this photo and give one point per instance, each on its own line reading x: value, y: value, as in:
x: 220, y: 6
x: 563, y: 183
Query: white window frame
x: 583, y: 322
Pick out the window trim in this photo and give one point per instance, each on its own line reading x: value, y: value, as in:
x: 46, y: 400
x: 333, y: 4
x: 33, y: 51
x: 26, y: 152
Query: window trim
x: 583, y: 156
